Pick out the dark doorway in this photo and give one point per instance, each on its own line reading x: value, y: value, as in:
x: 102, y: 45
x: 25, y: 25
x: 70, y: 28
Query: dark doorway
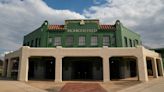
x: 6, y: 66
x: 15, y: 66
x: 41, y: 68
x: 122, y: 67
x: 159, y: 67
x: 114, y: 68
x: 82, y: 68
x: 133, y: 68
x: 149, y: 67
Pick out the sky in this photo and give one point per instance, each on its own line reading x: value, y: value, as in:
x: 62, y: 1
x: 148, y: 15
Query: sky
x: 19, y: 17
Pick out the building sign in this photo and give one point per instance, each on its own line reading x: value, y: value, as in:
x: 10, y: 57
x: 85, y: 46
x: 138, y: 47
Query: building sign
x: 81, y: 21
x: 82, y: 30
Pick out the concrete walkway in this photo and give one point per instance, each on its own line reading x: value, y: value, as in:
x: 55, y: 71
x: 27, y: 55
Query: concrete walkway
x: 16, y: 86
x: 155, y: 85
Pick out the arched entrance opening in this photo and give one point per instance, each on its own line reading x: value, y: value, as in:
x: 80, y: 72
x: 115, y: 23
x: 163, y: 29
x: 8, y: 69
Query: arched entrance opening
x: 149, y: 66
x: 41, y: 68
x: 82, y: 68
x: 15, y: 67
x: 159, y: 67
x: 123, y: 67
x: 5, y: 67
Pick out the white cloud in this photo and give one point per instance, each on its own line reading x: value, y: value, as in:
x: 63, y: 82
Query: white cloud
x: 96, y: 2
x: 3, y: 54
x: 142, y: 16
x: 19, y: 17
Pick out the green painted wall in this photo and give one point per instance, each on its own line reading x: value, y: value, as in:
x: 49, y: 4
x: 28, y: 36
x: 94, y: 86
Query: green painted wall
x: 76, y: 24
x: 116, y: 34
x: 37, y: 38
x: 88, y: 35
x: 123, y: 32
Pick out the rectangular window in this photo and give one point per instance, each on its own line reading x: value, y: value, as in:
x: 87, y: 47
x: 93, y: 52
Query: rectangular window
x: 126, y: 41
x: 94, y: 40
x: 69, y: 40
x: 32, y: 43
x: 57, y: 41
x: 81, y: 40
x: 28, y: 43
x: 39, y: 42
x: 50, y: 40
x: 130, y: 42
x: 36, y: 42
x: 113, y: 40
x: 134, y: 43
x: 137, y: 42
x: 106, y: 40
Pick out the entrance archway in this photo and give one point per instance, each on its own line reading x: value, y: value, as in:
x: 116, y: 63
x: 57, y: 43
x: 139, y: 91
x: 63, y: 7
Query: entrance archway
x: 5, y: 67
x: 15, y: 67
x: 41, y: 68
x: 123, y: 67
x: 159, y: 67
x: 82, y: 68
x: 149, y: 66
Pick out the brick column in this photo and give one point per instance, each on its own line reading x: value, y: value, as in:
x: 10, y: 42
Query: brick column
x: 154, y: 67
x: 9, y: 68
x: 4, y: 71
x: 160, y: 67
x: 58, y: 69
x: 106, y: 68
x: 23, y: 69
x: 142, y: 68
x: 23, y: 65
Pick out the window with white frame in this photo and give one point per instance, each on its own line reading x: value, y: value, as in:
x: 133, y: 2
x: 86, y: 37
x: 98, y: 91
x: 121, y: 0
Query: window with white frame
x: 81, y: 40
x: 57, y: 41
x: 106, y: 40
x: 50, y: 40
x: 94, y: 40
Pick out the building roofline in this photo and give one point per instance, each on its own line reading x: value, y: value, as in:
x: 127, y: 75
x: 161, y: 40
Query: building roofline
x: 61, y: 27
x: 81, y: 19
x: 158, y: 48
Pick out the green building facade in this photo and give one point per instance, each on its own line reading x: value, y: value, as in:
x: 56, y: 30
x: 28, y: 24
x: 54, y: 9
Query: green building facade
x: 82, y: 33
x: 84, y: 54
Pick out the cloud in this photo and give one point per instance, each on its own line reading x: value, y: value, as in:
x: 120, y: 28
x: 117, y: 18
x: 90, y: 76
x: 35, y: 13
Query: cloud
x: 142, y: 16
x: 96, y: 2
x: 19, y: 17
x: 3, y: 54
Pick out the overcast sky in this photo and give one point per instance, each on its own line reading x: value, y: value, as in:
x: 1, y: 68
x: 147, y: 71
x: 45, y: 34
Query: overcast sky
x: 19, y: 17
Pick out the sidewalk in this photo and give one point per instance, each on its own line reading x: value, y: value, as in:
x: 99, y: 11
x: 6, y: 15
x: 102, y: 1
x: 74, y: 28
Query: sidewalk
x: 16, y: 86
x: 155, y: 85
